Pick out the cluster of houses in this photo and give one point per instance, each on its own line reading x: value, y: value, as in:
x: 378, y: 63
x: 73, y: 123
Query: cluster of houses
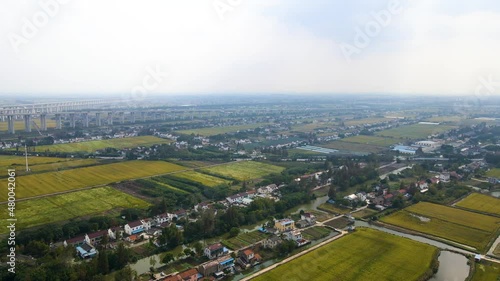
x: 220, y: 264
x: 286, y: 229
x: 244, y: 199
x: 131, y: 232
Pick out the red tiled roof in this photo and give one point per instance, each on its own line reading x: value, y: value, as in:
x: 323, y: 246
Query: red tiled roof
x: 188, y: 273
x: 134, y: 223
x: 173, y: 278
x: 75, y: 239
x: 214, y: 247
x: 248, y: 252
x: 97, y: 234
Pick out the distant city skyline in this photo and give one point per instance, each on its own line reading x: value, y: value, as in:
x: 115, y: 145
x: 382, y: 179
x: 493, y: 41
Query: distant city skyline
x: 151, y: 48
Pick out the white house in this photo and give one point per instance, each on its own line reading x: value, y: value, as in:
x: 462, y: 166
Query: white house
x: 137, y: 226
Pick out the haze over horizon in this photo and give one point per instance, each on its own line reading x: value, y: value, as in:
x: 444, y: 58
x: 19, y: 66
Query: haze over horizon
x: 261, y: 46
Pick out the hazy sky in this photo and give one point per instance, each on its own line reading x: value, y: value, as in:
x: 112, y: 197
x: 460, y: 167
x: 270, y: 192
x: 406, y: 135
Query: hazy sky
x: 249, y: 46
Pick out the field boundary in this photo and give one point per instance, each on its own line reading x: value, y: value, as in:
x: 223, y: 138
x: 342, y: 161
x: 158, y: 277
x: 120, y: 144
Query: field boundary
x: 102, y: 185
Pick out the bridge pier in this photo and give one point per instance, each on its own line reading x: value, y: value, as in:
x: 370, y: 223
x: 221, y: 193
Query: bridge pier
x: 27, y: 123
x: 10, y: 120
x: 98, y: 119
x: 132, y: 117
x: 110, y: 118
x: 72, y: 121
x: 86, y: 120
x: 122, y: 117
x: 58, y: 121
x: 43, y: 122
x: 144, y: 117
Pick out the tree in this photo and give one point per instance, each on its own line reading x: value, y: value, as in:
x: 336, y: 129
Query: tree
x: 332, y: 192
x: 168, y: 257
x: 152, y: 262
x: 198, y: 247
x: 122, y: 255
x: 102, y: 262
x: 126, y: 274
x: 234, y: 232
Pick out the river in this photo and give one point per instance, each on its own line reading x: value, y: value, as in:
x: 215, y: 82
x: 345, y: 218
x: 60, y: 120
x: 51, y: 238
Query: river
x: 452, y: 267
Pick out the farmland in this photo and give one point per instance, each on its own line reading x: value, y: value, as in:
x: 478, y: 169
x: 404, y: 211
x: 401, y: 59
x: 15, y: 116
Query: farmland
x: 71, y: 205
x: 315, y: 233
x: 221, y: 130
x: 453, y: 224
x: 47, y: 183
x: 371, y: 140
x: 57, y: 166
x: 366, y: 212
x: 339, y: 223
x: 243, y: 170
x: 244, y: 240
x: 482, y: 203
x: 415, y: 131
x: 495, y: 172
x: 91, y: 146
x: 333, y: 209
x: 204, y: 179
x: 354, y: 122
x: 486, y: 271
x: 402, y: 259
x: 19, y: 161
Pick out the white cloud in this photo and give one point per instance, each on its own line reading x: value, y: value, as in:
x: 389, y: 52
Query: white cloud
x: 104, y: 46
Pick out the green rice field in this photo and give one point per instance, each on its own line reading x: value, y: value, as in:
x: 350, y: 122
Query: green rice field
x: 243, y: 170
x: 204, y: 179
x: 486, y: 271
x: 62, y: 207
x: 92, y: 146
x: 221, y: 130
x: 244, y: 240
x: 495, y: 172
x: 415, y: 131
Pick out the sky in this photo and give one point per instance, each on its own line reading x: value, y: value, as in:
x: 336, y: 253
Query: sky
x: 161, y: 47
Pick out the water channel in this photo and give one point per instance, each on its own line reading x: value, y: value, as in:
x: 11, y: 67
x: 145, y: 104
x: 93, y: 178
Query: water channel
x: 453, y: 266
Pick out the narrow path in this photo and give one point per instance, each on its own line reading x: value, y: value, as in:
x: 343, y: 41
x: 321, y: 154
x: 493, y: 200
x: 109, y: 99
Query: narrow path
x: 493, y: 246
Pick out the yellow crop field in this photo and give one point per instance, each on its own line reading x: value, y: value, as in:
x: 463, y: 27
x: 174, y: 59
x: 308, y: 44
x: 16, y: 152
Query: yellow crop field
x: 366, y: 254
x: 41, y: 164
x: 453, y: 224
x: 52, y: 182
x: 482, y: 203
